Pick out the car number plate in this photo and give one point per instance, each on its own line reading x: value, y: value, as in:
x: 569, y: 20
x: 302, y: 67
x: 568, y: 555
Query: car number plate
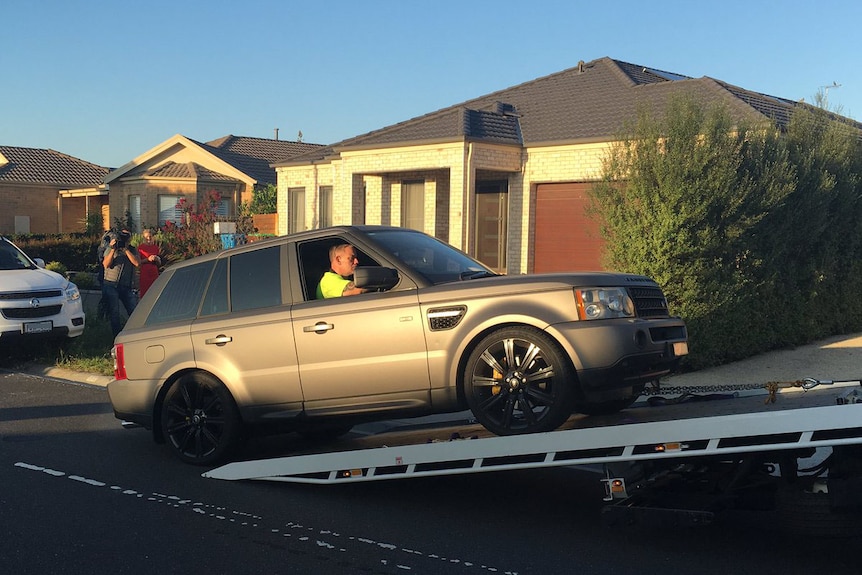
x: 38, y: 326
x: 680, y: 348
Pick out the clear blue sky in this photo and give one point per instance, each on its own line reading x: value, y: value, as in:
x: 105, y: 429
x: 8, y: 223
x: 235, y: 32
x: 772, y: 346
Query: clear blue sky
x: 106, y: 80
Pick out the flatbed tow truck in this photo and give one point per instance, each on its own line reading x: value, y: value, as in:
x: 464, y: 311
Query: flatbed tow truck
x: 678, y: 456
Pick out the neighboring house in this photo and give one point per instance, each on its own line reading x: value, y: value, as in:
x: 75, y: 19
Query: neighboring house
x: 504, y: 177
x: 46, y: 192
x: 149, y: 187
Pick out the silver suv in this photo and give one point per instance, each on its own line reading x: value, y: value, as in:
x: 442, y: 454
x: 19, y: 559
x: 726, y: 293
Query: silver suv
x: 35, y: 303
x: 236, y: 340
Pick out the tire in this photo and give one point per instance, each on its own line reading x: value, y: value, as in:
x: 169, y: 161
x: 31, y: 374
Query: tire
x: 610, y: 406
x: 518, y: 380
x: 200, y: 421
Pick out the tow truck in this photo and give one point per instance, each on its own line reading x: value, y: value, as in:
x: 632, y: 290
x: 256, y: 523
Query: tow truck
x: 679, y: 455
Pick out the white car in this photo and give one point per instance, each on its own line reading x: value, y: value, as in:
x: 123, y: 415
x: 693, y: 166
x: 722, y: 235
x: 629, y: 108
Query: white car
x: 35, y: 302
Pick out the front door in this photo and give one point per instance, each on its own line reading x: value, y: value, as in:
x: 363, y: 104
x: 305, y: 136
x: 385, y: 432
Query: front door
x: 492, y: 208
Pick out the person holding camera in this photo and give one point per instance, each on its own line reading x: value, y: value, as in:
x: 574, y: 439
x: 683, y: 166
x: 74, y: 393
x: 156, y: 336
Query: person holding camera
x: 119, y: 262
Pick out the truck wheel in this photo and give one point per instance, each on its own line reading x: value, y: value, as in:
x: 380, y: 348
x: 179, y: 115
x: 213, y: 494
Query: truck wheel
x: 200, y: 420
x: 518, y: 380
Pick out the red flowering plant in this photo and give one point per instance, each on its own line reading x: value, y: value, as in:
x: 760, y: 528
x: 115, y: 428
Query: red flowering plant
x: 194, y: 235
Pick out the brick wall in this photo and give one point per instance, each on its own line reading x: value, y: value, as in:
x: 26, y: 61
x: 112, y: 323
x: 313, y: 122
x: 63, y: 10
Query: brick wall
x: 366, y: 186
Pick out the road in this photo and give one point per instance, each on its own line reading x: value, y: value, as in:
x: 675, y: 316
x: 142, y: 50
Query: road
x: 82, y: 495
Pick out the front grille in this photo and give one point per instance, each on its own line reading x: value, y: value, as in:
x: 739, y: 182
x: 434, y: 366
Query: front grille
x: 649, y: 301
x: 18, y: 295
x: 31, y: 312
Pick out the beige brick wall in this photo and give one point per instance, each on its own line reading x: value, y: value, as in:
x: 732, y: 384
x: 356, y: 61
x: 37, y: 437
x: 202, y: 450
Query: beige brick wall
x: 38, y: 203
x: 367, y: 185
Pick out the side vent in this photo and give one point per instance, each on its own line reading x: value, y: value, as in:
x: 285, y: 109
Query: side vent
x: 444, y: 318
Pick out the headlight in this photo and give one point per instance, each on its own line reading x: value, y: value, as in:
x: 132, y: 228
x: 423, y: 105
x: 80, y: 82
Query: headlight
x: 604, y: 303
x: 72, y: 292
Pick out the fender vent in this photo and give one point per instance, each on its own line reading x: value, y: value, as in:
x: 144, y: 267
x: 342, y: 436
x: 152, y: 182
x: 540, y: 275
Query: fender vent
x: 445, y: 317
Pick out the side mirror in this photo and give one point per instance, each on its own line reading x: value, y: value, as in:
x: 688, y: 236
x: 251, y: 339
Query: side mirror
x: 39, y: 262
x: 375, y: 277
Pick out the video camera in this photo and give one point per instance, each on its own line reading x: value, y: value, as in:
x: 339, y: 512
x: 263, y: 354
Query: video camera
x: 122, y: 237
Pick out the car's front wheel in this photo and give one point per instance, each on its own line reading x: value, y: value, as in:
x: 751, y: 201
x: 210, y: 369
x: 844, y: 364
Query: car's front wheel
x: 517, y: 380
x: 200, y: 420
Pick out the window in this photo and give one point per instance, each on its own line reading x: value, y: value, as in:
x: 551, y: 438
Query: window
x: 215, y: 301
x: 295, y: 210
x: 324, y: 209
x: 255, y: 279
x: 223, y: 208
x: 169, y: 210
x: 135, y: 213
x: 413, y: 205
x: 180, y: 299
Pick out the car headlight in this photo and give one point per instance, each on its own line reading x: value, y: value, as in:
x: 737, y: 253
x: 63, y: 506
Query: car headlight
x: 604, y: 303
x: 72, y: 292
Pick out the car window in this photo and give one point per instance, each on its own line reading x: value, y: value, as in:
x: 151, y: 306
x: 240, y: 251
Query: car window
x: 11, y: 258
x: 314, y: 262
x: 255, y: 279
x: 181, y: 297
x: 215, y: 300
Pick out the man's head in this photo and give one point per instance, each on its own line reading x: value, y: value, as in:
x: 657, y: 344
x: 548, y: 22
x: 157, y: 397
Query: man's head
x: 342, y: 259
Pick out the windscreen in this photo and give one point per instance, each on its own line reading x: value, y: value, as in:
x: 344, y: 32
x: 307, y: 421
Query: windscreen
x: 438, y: 262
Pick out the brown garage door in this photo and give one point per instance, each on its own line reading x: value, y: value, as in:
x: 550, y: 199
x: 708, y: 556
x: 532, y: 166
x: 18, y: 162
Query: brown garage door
x: 566, y: 240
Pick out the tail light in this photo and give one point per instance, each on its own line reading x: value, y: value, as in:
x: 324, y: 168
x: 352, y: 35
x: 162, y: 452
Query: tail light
x: 119, y: 362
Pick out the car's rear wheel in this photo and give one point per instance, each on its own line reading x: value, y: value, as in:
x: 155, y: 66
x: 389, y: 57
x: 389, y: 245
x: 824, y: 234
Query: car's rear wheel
x: 517, y: 380
x: 200, y: 420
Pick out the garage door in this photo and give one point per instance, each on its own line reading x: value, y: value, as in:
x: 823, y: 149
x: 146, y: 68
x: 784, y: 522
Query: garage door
x: 566, y: 240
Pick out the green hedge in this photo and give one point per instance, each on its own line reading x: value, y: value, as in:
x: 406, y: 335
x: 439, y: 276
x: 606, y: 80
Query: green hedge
x: 77, y: 252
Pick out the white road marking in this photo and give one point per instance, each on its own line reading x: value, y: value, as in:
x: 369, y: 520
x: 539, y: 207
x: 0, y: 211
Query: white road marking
x: 250, y: 520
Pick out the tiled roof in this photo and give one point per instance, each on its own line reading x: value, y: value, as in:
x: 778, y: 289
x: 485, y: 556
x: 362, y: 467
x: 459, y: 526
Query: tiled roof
x: 253, y: 156
x: 39, y: 166
x: 186, y: 170
x: 591, y: 101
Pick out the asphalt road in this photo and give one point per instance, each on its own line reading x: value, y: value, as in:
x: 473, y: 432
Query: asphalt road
x: 78, y: 494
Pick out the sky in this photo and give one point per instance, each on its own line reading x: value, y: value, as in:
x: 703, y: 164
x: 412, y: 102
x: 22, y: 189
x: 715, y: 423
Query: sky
x: 106, y: 81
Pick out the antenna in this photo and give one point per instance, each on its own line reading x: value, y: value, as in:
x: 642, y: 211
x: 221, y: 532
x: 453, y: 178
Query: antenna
x: 825, y: 89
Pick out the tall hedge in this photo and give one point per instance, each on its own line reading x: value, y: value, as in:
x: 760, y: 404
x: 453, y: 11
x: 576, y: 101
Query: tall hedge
x: 75, y: 251
x: 754, y: 234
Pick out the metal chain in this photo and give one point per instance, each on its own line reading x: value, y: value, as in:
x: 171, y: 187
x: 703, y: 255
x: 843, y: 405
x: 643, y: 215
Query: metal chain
x: 771, y: 387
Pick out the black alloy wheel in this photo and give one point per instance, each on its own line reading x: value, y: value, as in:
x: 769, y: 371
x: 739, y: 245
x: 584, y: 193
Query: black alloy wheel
x: 518, y: 380
x: 200, y: 420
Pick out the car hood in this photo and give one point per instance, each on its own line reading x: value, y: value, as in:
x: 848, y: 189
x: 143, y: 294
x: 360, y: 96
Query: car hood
x: 546, y: 281
x: 29, y: 280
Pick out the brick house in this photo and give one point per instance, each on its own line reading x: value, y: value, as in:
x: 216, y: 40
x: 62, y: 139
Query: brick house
x: 504, y: 176
x: 47, y: 192
x: 149, y: 187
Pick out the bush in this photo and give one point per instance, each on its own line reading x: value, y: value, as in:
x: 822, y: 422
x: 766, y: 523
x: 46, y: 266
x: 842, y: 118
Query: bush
x: 75, y: 251
x: 753, y: 234
x: 85, y: 280
x: 56, y: 267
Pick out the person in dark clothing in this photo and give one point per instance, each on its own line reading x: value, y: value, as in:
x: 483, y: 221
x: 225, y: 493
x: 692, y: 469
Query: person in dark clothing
x: 119, y: 263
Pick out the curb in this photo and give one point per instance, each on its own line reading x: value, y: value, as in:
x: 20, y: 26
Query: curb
x: 55, y: 372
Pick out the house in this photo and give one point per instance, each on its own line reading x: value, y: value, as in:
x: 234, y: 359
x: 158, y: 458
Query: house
x: 47, y: 192
x: 148, y: 188
x: 504, y: 176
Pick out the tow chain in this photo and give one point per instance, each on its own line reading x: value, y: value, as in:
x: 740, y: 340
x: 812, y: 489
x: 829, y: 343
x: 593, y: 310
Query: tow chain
x: 771, y: 387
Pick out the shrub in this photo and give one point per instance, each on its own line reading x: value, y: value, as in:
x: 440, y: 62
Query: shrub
x: 56, y: 267
x: 84, y: 280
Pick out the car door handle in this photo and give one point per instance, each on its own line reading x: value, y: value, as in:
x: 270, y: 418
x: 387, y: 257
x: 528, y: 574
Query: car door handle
x: 219, y: 340
x: 319, y: 327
